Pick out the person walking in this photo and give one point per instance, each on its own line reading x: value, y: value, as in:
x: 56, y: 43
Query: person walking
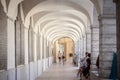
x: 63, y: 59
x: 59, y: 57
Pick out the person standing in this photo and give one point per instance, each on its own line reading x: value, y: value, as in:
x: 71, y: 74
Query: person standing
x: 83, y: 65
x: 59, y: 57
x: 63, y: 59
x: 87, y: 69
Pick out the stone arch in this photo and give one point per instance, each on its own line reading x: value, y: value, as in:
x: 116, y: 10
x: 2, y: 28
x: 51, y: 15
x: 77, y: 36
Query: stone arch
x: 66, y: 15
x: 63, y: 32
x: 70, y: 21
x: 60, y: 36
x: 67, y: 25
x: 65, y: 28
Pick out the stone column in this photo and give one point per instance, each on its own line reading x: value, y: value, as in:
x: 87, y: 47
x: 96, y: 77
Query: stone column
x: 76, y: 47
x: 88, y: 42
x: 107, y: 38
x: 81, y: 48
x: 77, y: 51
x: 19, y: 41
x: 26, y: 51
x: 84, y: 43
x: 30, y: 45
x: 43, y: 47
x: 47, y: 49
x: 94, y: 47
x: 34, y: 46
x: 49, y: 57
x: 11, y: 43
x: 50, y: 49
x: 118, y: 33
x: 38, y: 46
x: 45, y: 54
x: 41, y: 50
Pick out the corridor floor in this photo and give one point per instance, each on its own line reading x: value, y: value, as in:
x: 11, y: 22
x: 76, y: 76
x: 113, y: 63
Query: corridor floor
x: 60, y: 72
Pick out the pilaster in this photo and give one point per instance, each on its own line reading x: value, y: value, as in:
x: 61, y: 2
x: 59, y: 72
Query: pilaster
x: 45, y: 47
x: 30, y: 44
x: 19, y: 40
x: 38, y: 46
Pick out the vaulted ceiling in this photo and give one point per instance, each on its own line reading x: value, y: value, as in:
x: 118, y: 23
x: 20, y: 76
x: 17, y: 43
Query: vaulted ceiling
x: 57, y: 18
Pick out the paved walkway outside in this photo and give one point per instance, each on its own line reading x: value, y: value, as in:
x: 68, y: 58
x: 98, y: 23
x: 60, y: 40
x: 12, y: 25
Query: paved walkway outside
x: 60, y: 72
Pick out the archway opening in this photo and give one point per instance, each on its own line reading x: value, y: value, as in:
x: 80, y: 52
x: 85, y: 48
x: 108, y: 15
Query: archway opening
x: 63, y: 47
